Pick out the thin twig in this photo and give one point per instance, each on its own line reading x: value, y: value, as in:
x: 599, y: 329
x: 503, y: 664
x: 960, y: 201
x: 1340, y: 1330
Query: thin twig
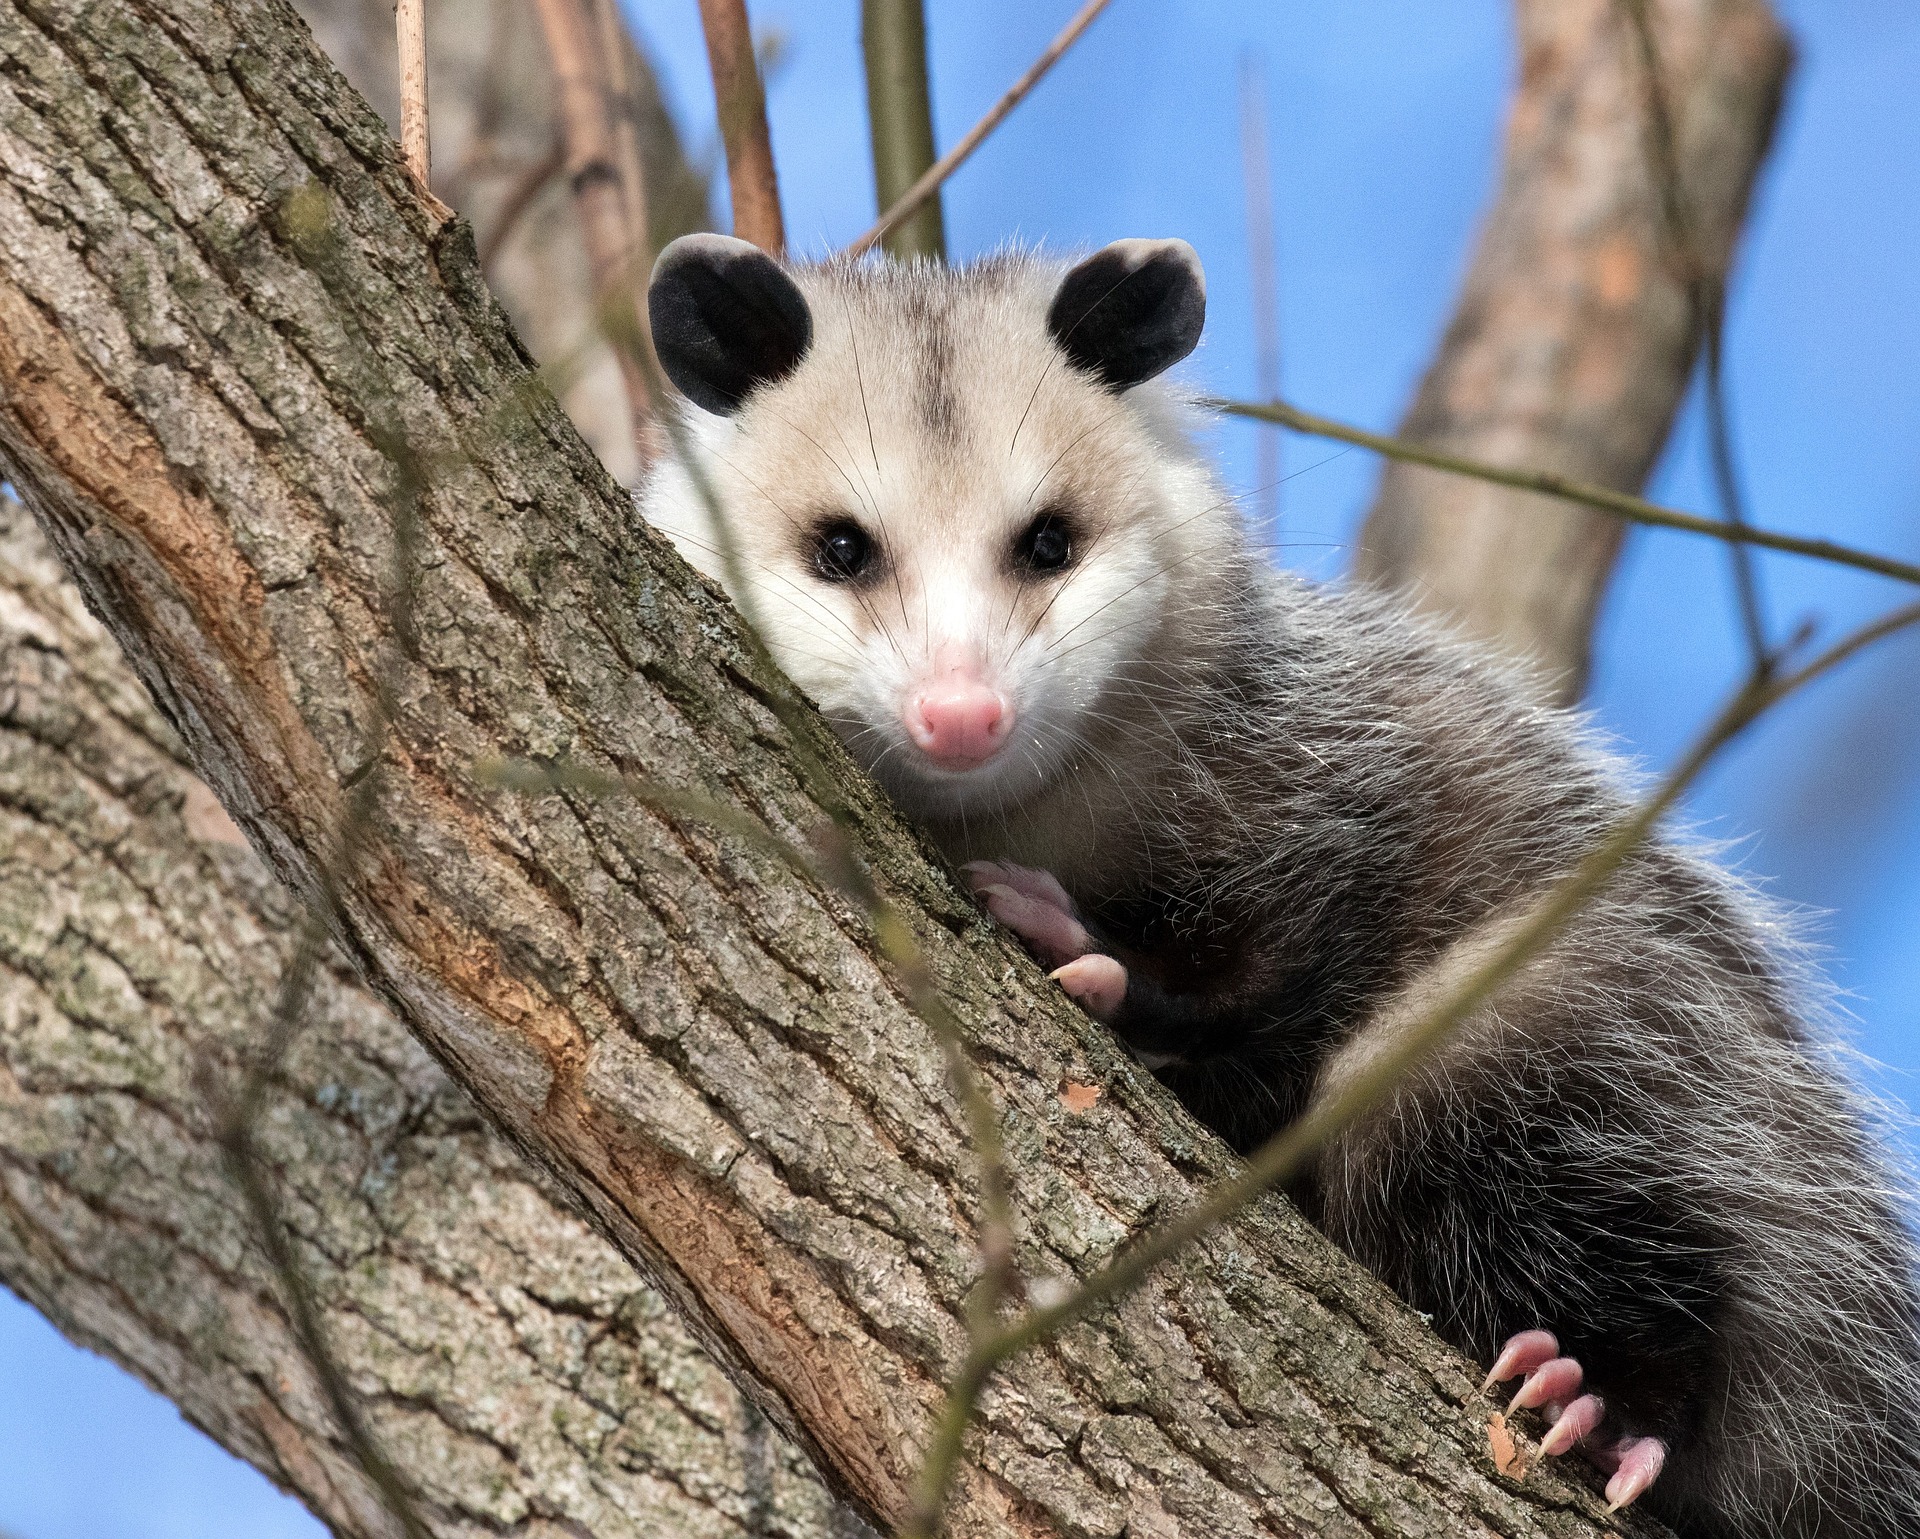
x: 1282, y: 1157
x: 410, y: 23
x: 1706, y: 292
x: 908, y: 203
x: 246, y: 1169
x: 897, y: 945
x: 741, y: 98
x: 1621, y: 504
x: 1262, y: 267
x: 893, y: 935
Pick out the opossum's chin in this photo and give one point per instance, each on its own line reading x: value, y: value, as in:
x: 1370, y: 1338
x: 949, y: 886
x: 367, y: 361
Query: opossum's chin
x: 922, y: 789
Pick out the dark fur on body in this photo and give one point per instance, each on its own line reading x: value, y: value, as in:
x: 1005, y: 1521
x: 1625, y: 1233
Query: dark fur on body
x: 1637, y: 1145
x: 1294, y: 812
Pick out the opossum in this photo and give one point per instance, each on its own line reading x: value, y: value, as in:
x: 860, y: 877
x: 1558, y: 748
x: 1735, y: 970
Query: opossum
x: 1251, y: 820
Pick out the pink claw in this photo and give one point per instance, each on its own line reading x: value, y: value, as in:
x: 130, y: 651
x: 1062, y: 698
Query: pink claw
x: 1554, y: 1381
x: 1641, y: 1460
x: 1522, y: 1354
x: 1029, y: 881
x: 1098, y: 982
x: 1571, y: 1425
x: 1055, y: 935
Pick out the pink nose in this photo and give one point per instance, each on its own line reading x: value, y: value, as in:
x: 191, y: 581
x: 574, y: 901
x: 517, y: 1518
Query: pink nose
x: 957, y: 721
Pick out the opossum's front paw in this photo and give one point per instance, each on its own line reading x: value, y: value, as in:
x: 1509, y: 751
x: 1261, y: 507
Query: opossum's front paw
x: 1036, y: 908
x: 1097, y: 981
x: 1553, y: 1383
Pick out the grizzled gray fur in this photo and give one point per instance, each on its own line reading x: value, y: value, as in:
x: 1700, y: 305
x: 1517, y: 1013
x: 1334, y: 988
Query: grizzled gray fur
x: 1257, y: 822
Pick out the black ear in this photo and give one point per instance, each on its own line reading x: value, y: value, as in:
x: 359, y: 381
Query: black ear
x: 725, y: 319
x: 1131, y: 310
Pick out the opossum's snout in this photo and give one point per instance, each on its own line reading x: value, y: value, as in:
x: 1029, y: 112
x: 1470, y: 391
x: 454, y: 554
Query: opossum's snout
x: 956, y: 717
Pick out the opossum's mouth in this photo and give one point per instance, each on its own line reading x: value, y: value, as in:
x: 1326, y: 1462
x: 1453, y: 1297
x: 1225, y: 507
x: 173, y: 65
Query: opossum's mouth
x: 925, y: 787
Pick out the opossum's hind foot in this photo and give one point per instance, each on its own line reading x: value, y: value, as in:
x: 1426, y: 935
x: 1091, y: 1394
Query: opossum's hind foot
x: 1552, y: 1382
x: 1640, y: 1462
x: 1036, y: 908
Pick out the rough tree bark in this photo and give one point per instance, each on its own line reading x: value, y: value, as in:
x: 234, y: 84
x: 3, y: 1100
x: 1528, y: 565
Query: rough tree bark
x: 221, y: 304
x: 510, y: 1359
x: 1573, y: 341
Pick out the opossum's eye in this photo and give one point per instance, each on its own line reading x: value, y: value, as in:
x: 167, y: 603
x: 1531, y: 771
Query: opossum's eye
x: 1046, y: 545
x: 842, y: 551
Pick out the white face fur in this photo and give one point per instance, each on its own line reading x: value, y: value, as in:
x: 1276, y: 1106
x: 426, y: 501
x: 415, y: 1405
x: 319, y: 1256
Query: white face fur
x: 959, y: 542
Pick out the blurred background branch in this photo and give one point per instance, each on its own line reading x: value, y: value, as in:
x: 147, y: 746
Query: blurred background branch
x: 740, y: 98
x: 550, y: 242
x: 1263, y: 269
x: 1706, y: 285
x: 1574, y: 338
x: 893, y: 36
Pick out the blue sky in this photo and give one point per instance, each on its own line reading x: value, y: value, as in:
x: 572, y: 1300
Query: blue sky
x: 1385, y: 119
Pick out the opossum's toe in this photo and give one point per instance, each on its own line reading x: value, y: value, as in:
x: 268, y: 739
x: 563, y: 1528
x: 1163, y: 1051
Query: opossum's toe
x: 1577, y: 1421
x: 1029, y: 881
x: 1554, y: 1382
x: 1641, y: 1459
x: 1053, y: 934
x: 1522, y: 1354
x: 1098, y: 982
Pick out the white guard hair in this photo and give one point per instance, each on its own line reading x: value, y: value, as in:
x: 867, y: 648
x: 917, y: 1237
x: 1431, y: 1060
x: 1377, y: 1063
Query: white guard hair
x: 935, y: 410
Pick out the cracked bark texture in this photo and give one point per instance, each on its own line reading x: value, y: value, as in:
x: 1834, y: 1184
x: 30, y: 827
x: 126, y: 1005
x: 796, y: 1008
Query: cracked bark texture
x: 511, y: 1361
x: 222, y: 305
x: 1574, y: 338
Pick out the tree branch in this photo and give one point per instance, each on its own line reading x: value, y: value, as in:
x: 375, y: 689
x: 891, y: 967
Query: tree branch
x: 707, y: 1049
x: 1619, y: 505
x: 927, y: 185
x: 410, y: 28
x: 512, y: 1365
x: 609, y: 201
x: 742, y: 103
x: 1574, y: 337
x: 893, y: 36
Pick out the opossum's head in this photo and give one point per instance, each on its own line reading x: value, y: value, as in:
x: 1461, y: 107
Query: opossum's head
x: 960, y: 518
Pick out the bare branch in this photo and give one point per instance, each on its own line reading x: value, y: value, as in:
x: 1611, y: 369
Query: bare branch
x: 1621, y: 505
x: 610, y: 203
x: 1573, y: 339
x: 1707, y: 294
x: 1263, y: 269
x: 410, y: 22
x: 893, y: 36
x: 925, y: 187
x: 239, y: 1114
x: 520, y: 197
x: 741, y: 98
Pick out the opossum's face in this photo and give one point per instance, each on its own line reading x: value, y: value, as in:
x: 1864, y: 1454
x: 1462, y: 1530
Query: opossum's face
x: 959, y: 524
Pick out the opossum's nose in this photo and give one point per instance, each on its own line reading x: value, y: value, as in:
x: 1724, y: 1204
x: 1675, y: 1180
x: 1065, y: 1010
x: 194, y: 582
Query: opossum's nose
x: 958, y: 721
